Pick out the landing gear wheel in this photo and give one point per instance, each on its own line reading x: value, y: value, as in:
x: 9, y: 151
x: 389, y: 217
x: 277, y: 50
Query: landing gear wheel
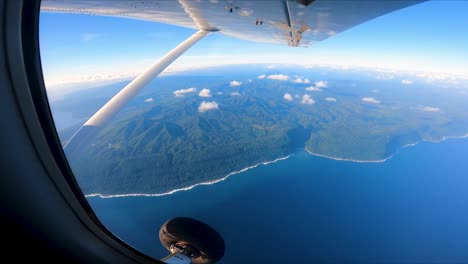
x: 192, y: 238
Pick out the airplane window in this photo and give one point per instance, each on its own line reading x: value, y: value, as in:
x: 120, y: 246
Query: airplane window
x: 306, y: 132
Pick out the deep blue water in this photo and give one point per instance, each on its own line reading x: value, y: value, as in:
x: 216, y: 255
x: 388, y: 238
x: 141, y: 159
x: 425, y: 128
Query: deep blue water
x: 307, y: 209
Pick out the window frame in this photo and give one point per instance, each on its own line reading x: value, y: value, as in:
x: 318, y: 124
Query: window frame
x: 82, y: 236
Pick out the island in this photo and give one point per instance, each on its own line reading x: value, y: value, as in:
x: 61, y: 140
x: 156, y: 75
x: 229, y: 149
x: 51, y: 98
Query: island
x: 202, y: 125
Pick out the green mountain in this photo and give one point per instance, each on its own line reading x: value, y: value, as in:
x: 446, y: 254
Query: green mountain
x: 167, y: 143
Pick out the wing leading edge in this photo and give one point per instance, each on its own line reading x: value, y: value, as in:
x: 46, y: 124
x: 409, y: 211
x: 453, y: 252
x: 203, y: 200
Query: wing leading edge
x: 296, y: 23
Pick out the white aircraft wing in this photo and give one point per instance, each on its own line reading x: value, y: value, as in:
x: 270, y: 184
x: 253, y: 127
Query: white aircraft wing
x: 295, y: 23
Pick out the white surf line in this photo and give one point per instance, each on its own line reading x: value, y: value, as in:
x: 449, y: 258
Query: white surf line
x: 389, y: 157
x: 445, y: 138
x: 436, y: 141
x: 264, y: 163
x: 347, y: 159
x: 186, y: 188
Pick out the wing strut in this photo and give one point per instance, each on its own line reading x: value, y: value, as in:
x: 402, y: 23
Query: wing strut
x: 111, y: 108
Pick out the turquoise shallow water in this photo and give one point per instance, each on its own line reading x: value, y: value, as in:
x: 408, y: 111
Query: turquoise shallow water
x: 308, y: 209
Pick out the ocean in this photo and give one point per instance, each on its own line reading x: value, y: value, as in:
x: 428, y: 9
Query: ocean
x: 412, y: 208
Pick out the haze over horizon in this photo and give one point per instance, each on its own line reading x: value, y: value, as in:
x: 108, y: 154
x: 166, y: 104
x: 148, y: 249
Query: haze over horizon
x: 428, y: 37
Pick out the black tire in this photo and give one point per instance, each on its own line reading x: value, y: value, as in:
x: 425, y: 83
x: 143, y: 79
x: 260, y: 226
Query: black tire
x: 199, y: 235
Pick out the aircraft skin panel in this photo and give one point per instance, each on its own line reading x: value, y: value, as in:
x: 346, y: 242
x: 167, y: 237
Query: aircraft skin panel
x: 263, y: 21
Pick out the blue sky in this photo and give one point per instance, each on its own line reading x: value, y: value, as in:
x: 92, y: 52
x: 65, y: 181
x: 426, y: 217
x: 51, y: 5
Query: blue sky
x: 431, y: 36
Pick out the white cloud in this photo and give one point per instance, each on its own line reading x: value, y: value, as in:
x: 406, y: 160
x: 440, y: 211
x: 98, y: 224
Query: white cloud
x: 280, y: 77
x: 318, y: 85
x: 90, y: 36
x: 321, y: 84
x: 385, y: 77
x: 261, y: 76
x: 370, y: 100
x: 235, y: 83
x: 235, y: 94
x: 301, y: 80
x: 313, y: 89
x: 430, y: 109
x: 330, y: 99
x: 207, y: 106
x: 307, y: 100
x: 205, y: 93
x: 220, y: 93
x: 100, y: 74
x: 249, y: 81
x: 149, y: 100
x: 436, y: 76
x: 287, y: 97
x: 406, y: 82
x: 182, y: 92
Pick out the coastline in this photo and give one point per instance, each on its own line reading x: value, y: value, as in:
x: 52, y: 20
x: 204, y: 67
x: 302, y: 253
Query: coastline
x: 348, y: 159
x: 393, y: 154
x: 188, y: 187
x: 105, y: 196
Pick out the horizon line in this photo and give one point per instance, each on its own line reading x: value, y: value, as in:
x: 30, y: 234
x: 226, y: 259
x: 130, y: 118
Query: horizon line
x: 128, y: 75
